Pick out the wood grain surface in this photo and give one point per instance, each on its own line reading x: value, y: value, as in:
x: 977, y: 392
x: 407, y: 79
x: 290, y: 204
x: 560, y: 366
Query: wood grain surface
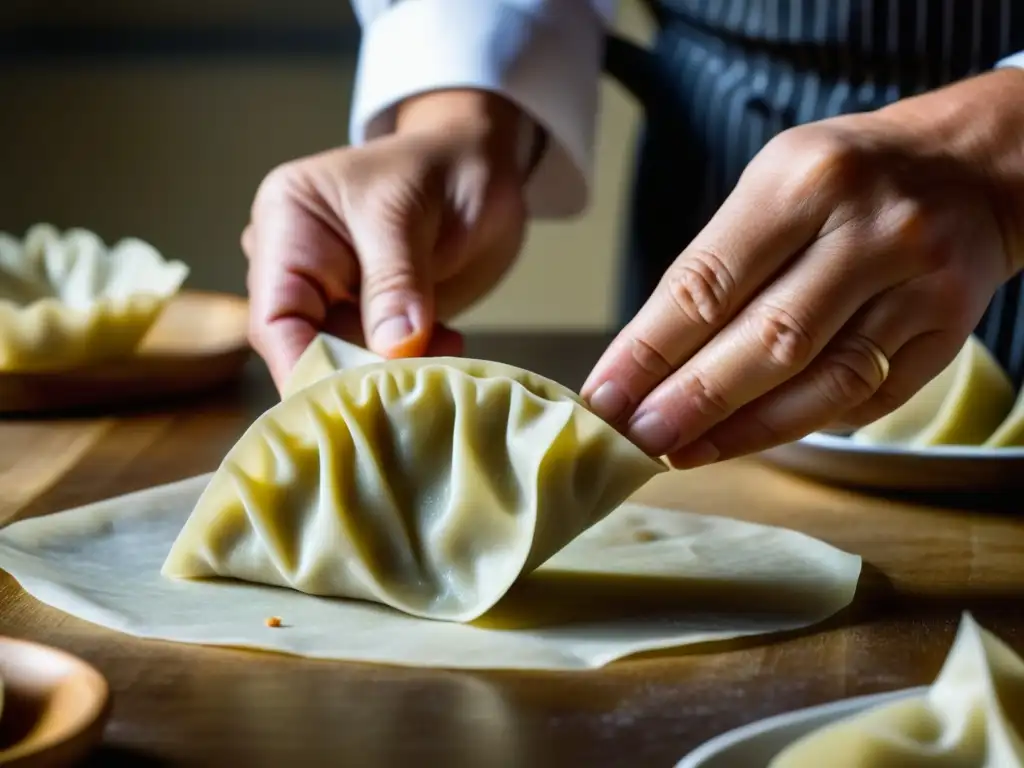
x: 197, y: 344
x: 187, y: 705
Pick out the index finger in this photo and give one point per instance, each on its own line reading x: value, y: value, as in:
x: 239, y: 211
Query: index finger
x: 757, y: 230
x: 282, y: 336
x: 298, y: 269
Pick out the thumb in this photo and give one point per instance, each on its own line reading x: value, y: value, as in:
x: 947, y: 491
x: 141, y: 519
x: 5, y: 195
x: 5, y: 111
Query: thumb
x: 397, y: 290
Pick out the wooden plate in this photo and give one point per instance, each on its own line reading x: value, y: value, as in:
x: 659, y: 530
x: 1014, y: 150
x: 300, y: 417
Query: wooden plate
x: 54, y: 709
x: 199, y: 342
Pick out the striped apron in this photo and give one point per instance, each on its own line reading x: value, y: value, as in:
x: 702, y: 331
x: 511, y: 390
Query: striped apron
x: 724, y: 76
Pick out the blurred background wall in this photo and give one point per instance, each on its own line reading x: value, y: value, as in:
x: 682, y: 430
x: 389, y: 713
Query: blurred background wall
x: 159, y: 119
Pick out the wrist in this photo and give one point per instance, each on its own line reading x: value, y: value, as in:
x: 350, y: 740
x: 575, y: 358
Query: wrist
x: 497, y: 120
x: 979, y: 125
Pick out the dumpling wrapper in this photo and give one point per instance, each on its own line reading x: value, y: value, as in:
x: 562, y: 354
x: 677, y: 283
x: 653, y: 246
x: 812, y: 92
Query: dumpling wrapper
x: 68, y: 300
x: 1010, y: 434
x: 963, y: 405
x: 429, y: 485
x: 971, y: 717
x: 325, y: 356
x: 642, y: 579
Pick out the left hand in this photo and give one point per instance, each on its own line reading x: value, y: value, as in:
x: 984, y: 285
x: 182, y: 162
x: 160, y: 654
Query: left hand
x: 847, y: 269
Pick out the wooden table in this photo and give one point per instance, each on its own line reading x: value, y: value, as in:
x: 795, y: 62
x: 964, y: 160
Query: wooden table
x: 186, y: 705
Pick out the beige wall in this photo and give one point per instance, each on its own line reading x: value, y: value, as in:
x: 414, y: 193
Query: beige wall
x: 173, y: 153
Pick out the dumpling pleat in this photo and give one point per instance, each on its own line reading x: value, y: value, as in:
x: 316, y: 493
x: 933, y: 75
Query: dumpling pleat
x: 426, y: 485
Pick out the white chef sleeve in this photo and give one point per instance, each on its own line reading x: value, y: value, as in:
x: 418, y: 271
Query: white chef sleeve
x: 1014, y: 60
x: 544, y: 55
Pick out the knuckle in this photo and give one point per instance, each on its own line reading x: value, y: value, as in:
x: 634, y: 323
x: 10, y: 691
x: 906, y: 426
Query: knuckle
x: 853, y: 373
x: 822, y: 161
x: 785, y: 144
x: 700, y: 287
x: 904, y: 225
x: 649, y: 359
x: 391, y: 278
x: 788, y: 343
x: 277, y: 186
x: 767, y: 432
x: 705, y: 398
x: 847, y: 380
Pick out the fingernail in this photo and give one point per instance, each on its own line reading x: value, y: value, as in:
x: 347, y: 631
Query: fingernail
x: 392, y: 332
x: 697, y: 454
x: 609, y: 402
x: 652, y: 433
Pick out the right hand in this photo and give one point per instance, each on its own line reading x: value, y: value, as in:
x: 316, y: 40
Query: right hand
x: 380, y: 244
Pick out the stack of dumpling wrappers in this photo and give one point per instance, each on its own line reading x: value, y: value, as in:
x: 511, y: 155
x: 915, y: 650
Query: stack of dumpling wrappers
x: 972, y: 716
x: 445, y: 512
x: 970, y: 403
x: 67, y: 300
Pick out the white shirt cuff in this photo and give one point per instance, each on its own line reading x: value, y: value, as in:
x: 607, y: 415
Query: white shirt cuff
x: 1013, y: 60
x: 544, y: 56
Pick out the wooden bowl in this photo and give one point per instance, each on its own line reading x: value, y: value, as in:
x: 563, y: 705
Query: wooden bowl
x: 199, y: 342
x: 55, y: 706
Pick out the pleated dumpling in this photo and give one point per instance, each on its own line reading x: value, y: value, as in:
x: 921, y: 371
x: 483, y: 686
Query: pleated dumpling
x: 324, y: 356
x: 66, y: 299
x: 428, y: 485
x: 1010, y: 434
x: 963, y: 405
x: 971, y: 717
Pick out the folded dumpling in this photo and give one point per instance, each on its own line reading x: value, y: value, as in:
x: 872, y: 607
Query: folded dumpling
x: 971, y: 717
x: 963, y: 405
x: 428, y: 485
x: 324, y: 356
x: 1010, y: 434
x: 68, y: 300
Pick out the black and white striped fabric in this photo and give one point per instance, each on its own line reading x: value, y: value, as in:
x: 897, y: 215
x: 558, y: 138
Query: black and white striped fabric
x: 725, y: 76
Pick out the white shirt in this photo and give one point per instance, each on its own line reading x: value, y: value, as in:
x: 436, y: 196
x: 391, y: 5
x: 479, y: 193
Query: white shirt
x: 544, y: 55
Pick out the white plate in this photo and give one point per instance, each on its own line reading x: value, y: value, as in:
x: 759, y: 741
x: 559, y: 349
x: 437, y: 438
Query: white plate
x: 754, y: 745
x: 841, y: 461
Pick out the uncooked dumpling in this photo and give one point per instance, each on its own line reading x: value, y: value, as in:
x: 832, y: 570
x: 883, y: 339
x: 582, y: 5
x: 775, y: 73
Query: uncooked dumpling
x: 971, y: 717
x: 324, y: 356
x: 429, y: 485
x: 963, y: 405
x: 68, y: 300
x: 1010, y: 434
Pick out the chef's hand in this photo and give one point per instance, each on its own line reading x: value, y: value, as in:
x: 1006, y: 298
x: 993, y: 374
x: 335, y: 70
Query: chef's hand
x: 847, y: 268
x: 383, y: 242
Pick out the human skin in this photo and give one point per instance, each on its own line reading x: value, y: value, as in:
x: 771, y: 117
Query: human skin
x: 381, y: 244
x: 845, y: 270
